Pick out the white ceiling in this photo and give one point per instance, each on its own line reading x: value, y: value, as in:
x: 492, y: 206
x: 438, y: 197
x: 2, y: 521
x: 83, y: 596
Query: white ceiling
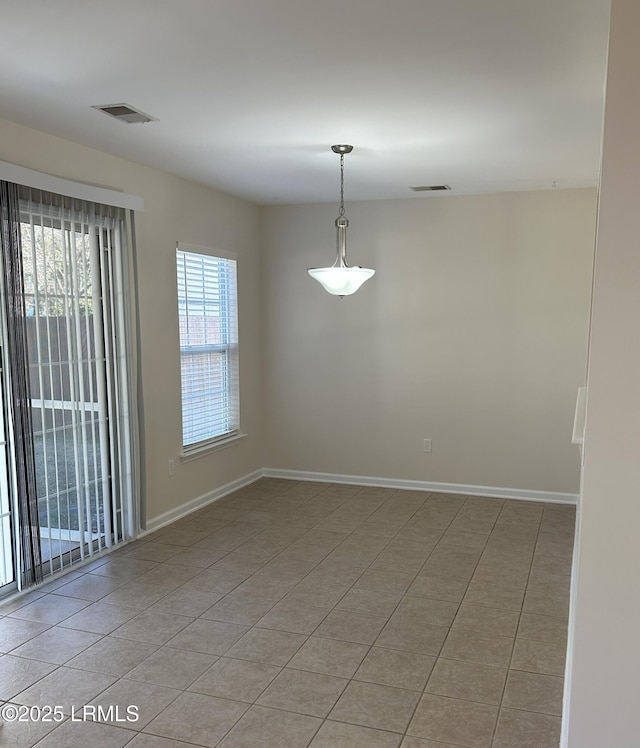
x: 483, y: 95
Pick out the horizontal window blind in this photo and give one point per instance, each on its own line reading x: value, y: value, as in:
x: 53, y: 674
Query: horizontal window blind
x: 207, y: 313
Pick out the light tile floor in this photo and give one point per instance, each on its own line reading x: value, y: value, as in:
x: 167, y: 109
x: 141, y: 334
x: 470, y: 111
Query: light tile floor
x: 304, y: 614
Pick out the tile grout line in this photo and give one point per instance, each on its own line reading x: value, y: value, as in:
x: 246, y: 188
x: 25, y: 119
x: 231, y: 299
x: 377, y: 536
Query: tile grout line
x: 264, y: 531
x: 504, y: 688
x: 437, y: 657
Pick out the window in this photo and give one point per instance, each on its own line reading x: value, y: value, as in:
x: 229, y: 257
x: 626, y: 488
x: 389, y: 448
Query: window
x: 207, y: 315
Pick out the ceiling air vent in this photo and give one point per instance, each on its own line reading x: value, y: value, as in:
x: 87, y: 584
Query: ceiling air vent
x: 125, y: 113
x: 431, y: 188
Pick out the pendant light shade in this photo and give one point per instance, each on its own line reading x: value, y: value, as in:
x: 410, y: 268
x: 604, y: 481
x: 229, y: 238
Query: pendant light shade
x: 340, y: 279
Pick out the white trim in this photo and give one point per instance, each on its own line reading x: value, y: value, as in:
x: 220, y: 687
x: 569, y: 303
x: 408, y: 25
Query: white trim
x: 60, y: 186
x: 523, y: 494
x: 568, y: 665
x: 579, y: 418
x: 211, y: 496
x: 195, y: 249
x: 207, y: 498
x: 577, y: 435
x: 186, y: 455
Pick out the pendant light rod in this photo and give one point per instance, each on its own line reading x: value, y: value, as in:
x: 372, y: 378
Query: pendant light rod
x: 342, y: 150
x: 341, y: 221
x: 341, y: 242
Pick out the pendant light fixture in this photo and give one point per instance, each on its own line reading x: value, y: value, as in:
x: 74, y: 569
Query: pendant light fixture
x: 340, y: 279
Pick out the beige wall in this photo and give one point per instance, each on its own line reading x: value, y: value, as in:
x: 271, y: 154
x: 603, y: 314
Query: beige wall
x: 602, y: 709
x: 472, y: 333
x: 175, y: 210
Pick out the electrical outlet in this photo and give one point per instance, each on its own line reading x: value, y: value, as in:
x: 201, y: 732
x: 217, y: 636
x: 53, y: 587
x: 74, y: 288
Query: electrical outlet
x: 172, y: 468
x: 426, y: 445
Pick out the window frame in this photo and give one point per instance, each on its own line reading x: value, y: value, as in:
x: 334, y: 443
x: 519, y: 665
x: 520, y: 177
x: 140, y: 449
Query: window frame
x: 233, y: 433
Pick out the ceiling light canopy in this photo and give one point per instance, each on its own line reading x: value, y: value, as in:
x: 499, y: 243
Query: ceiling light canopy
x: 340, y: 279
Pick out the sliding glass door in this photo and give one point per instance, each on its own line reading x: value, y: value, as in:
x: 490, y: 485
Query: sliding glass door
x: 74, y: 318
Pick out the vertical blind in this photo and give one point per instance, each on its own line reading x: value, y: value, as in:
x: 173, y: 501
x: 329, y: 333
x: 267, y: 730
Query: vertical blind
x: 72, y: 254
x: 16, y: 382
x: 6, y: 546
x: 69, y: 408
x: 207, y: 313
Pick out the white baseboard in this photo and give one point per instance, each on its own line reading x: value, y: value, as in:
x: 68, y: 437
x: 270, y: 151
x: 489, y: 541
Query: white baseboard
x: 523, y: 494
x: 207, y: 498
x: 355, y: 480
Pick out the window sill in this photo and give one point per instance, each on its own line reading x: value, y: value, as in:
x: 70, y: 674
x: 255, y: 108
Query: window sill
x: 206, y: 449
